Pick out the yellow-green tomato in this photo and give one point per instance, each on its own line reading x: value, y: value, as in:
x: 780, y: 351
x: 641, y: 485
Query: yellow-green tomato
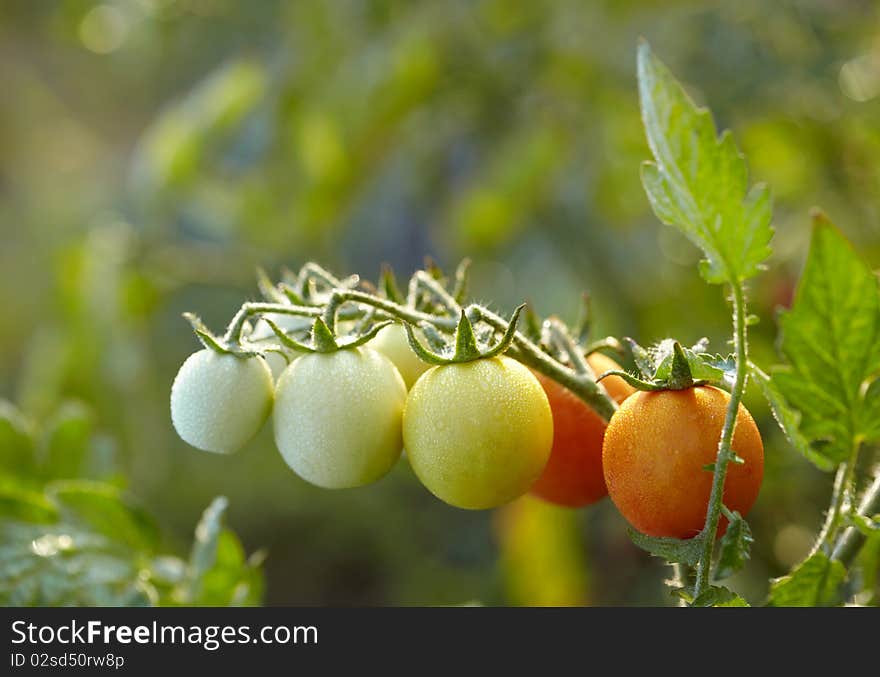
x: 219, y: 402
x: 338, y: 417
x: 478, y: 434
x: 392, y: 342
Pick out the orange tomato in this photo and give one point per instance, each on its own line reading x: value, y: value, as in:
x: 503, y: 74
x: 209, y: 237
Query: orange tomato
x: 655, y: 452
x: 573, y: 476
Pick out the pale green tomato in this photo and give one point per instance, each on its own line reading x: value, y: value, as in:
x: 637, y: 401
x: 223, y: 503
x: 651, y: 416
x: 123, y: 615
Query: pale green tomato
x: 478, y: 434
x: 338, y: 417
x: 277, y: 363
x: 392, y: 342
x: 219, y: 402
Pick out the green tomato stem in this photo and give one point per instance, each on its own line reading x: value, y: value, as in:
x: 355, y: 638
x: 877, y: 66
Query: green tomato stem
x: 850, y: 542
x: 581, y: 384
x: 410, y: 315
x: 561, y: 338
x: 839, y: 495
x: 716, y: 497
x: 438, y: 292
x: 233, y: 332
x: 532, y: 356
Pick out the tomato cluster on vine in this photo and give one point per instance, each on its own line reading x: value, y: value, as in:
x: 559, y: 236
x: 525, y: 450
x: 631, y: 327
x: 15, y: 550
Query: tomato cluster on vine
x: 483, y: 419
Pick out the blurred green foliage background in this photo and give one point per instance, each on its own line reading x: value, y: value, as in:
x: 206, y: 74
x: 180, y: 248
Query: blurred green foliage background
x: 154, y: 152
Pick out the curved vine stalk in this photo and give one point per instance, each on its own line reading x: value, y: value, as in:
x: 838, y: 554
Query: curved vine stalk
x: 851, y: 540
x: 716, y: 497
x: 578, y: 377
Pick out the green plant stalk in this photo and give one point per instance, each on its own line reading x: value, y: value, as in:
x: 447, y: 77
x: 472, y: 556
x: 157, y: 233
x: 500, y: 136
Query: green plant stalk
x: 523, y: 349
x: 843, y: 482
x: 716, y: 497
x: 532, y: 356
x: 233, y: 332
x: 447, y: 324
x: 844, y: 496
x: 850, y: 542
x: 581, y: 384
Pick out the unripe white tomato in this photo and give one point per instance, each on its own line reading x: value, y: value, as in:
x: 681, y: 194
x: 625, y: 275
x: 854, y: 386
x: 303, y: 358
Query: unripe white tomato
x: 338, y: 417
x: 219, y: 402
x: 392, y: 342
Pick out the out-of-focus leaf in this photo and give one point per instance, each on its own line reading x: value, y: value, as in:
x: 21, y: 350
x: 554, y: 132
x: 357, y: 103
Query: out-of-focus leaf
x: 831, y: 342
x: 699, y: 181
x: 18, y: 502
x: 204, y: 549
x: 65, y: 565
x: 510, y: 190
x: 65, y: 442
x: 230, y: 580
x: 218, y: 572
x: 106, y: 510
x: 16, y: 440
x: 815, y: 582
x: 173, y: 148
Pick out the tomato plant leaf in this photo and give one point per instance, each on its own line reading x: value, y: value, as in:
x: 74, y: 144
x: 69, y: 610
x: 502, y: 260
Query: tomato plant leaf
x: 204, y: 550
x: 106, y: 510
x: 714, y: 595
x: 670, y: 549
x: 830, y: 339
x: 66, y: 565
x: 18, y: 502
x: 814, y: 582
x: 717, y: 595
x: 788, y: 419
x: 65, y: 443
x: 218, y: 573
x: 735, y: 546
x: 698, y: 181
x: 16, y: 440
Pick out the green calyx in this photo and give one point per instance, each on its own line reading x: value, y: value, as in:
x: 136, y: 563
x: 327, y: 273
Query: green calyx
x: 213, y: 342
x: 670, y: 366
x: 323, y: 340
x: 466, y: 346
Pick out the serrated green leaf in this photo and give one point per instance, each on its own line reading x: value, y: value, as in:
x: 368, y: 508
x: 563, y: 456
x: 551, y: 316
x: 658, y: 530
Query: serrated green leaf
x: 642, y: 357
x: 814, y: 582
x: 831, y: 342
x: 788, y: 420
x: 718, y: 596
x: 702, y: 365
x: 735, y: 547
x: 670, y: 549
x: 699, y: 181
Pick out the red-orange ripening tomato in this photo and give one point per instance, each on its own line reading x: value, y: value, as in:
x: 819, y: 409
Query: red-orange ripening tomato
x: 655, y: 452
x: 573, y: 475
